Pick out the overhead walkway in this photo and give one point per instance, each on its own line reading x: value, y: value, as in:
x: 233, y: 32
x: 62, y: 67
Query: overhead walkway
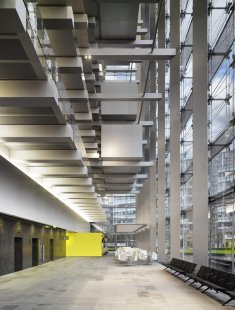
x: 99, y: 284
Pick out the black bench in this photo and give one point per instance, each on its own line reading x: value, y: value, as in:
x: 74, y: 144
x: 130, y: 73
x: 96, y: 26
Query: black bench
x: 210, y: 278
x: 180, y: 267
x: 172, y: 263
x: 202, y: 275
x: 217, y: 280
x: 230, y: 287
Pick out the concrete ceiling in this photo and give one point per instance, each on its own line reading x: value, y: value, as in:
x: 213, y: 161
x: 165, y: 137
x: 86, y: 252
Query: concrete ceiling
x: 54, y: 102
x: 118, y: 20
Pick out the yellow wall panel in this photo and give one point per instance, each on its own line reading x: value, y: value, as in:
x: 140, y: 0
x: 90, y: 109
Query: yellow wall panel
x: 84, y: 244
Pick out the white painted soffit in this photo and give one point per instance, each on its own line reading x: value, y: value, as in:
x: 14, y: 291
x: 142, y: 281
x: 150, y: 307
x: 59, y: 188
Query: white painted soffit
x: 128, y: 228
x: 75, y: 189
x: 124, y: 44
x: 73, y: 181
x: 83, y: 96
x: 46, y: 156
x: 37, y: 133
x: 125, y: 97
x: 80, y: 172
x: 128, y: 54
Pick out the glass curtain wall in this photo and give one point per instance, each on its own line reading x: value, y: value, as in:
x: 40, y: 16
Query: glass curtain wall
x: 221, y: 133
x: 120, y: 209
x: 167, y: 135
x: 220, y: 130
x: 186, y: 138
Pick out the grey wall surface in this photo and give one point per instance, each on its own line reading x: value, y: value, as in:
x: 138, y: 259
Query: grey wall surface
x: 21, y: 197
x: 11, y: 227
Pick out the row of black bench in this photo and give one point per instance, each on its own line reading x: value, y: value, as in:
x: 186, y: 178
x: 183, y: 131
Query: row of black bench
x: 209, y: 278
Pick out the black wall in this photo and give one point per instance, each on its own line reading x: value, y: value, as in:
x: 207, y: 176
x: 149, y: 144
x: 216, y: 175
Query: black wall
x: 11, y: 228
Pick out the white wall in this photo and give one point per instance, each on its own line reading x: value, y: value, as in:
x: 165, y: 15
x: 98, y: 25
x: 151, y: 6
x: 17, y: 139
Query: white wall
x: 121, y: 142
x: 119, y: 107
x: 20, y: 196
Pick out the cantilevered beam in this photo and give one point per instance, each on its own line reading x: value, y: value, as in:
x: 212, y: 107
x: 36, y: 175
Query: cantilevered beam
x: 69, y: 65
x: 125, y: 43
x: 28, y: 89
x: 141, y: 31
x: 87, y: 133
x: 122, y: 192
x: 121, y: 176
x: 126, y: 1
x: 83, y: 96
x: 56, y: 17
x: 75, y: 189
x: 125, y: 97
x: 67, y: 181
x: 80, y: 195
x: 127, y: 163
x: 37, y: 133
x: 123, y: 186
x: 46, y: 156
x: 83, y: 200
x: 117, y: 69
x: 91, y: 146
x: 83, y: 117
x: 59, y: 171
x: 119, y: 164
x: 24, y: 94
x: 128, y: 54
x: 15, y: 12
x: 88, y: 205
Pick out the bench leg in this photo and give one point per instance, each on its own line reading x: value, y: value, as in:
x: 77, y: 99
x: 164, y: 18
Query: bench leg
x: 205, y: 290
x: 231, y: 298
x: 175, y: 274
x: 200, y: 287
x: 192, y: 282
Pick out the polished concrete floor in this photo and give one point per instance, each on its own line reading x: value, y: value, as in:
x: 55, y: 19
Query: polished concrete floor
x: 100, y: 284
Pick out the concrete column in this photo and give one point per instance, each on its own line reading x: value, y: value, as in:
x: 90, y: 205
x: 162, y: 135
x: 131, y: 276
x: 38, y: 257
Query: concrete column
x: 147, y: 197
x: 161, y: 183
x: 143, y: 203
x: 152, y: 146
x: 200, y: 150
x: 174, y: 100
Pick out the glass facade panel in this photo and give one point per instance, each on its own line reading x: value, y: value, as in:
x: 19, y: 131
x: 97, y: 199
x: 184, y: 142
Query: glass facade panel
x: 119, y: 209
x: 186, y: 139
x: 221, y: 135
x: 221, y: 111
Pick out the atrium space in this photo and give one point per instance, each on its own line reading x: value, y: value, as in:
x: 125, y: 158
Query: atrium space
x: 116, y: 131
